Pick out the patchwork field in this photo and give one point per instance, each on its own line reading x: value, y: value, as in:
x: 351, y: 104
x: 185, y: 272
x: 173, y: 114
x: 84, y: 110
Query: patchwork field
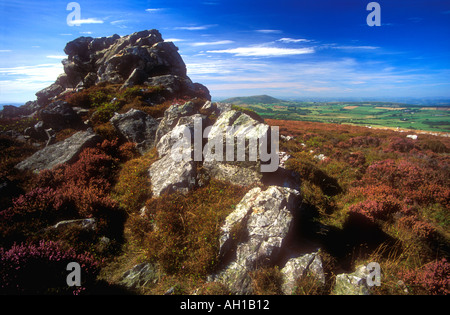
x: 373, y: 114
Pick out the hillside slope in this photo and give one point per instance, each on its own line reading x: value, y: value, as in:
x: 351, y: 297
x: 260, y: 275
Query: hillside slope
x: 103, y: 170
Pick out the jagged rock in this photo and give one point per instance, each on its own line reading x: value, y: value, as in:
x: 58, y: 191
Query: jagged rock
x: 59, y: 115
x: 140, y: 275
x: 254, y: 234
x: 352, y: 284
x: 62, y: 152
x: 168, y: 175
x: 177, y: 86
x: 172, y: 116
x: 295, y: 268
x: 233, y: 173
x: 138, y: 127
x: 183, y: 131
x: 240, y: 172
x: 45, y: 96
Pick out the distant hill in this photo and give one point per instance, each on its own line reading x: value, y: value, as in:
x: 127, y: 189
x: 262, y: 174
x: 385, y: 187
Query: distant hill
x: 252, y: 100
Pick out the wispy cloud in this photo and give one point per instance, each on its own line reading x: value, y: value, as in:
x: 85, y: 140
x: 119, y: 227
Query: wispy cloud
x: 269, y: 31
x: 88, y: 21
x: 293, y: 40
x: 27, y: 80
x: 195, y: 28
x: 263, y: 51
x: 174, y: 40
x: 5, y: 50
x: 356, y: 47
x: 219, y: 42
x: 153, y: 10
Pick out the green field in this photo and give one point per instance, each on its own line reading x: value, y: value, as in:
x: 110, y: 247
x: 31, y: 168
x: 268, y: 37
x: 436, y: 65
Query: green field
x: 375, y: 114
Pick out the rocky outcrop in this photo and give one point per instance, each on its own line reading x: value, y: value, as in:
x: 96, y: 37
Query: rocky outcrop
x: 62, y: 152
x: 140, y: 58
x: 253, y: 235
x: 138, y: 127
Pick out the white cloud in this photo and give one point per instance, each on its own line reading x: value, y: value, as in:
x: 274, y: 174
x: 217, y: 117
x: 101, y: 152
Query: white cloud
x: 87, y: 21
x: 86, y: 33
x: 19, y: 84
x: 195, y: 28
x: 118, y: 22
x: 269, y: 31
x: 220, y: 42
x: 174, y: 40
x: 356, y: 47
x: 152, y: 10
x: 262, y: 51
x: 5, y: 50
x: 293, y: 40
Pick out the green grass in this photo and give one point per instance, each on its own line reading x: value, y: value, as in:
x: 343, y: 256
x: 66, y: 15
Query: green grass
x: 374, y: 114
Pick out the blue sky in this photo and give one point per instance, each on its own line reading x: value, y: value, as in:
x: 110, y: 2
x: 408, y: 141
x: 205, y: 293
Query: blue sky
x: 302, y: 48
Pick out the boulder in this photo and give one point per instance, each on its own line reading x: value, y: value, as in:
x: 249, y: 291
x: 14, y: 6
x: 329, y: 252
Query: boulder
x: 172, y: 116
x: 65, y: 151
x: 242, y: 168
x: 138, y: 127
x: 169, y: 176
x: 184, y: 130
x: 46, y: 95
x: 140, y: 275
x: 352, y: 284
x: 59, y: 115
x: 298, y: 267
x: 254, y: 234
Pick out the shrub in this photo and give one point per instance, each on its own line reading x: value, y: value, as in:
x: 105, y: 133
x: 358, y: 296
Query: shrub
x: 133, y: 185
x: 376, y: 210
x: 432, y: 278
x: 41, y: 269
x: 267, y: 281
x: 186, y: 238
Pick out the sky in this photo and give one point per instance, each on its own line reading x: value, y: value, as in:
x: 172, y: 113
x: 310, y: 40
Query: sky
x: 286, y: 49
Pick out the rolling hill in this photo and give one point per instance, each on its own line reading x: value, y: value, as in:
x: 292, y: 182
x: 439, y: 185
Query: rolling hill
x: 253, y: 100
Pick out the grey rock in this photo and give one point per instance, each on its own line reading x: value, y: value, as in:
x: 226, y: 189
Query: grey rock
x: 233, y: 173
x: 59, y: 115
x: 169, y: 176
x: 352, y: 284
x: 46, y: 95
x: 244, y: 168
x: 140, y: 275
x: 138, y: 127
x: 298, y: 267
x: 172, y: 116
x: 62, y: 152
x: 263, y: 219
